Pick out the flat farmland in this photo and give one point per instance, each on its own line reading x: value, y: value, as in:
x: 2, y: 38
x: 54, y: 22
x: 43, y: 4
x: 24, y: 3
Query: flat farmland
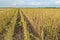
x: 29, y: 23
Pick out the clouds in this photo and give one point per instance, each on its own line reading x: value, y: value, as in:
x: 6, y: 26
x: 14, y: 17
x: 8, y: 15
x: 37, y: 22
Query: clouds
x: 57, y: 2
x: 30, y: 3
x: 36, y: 3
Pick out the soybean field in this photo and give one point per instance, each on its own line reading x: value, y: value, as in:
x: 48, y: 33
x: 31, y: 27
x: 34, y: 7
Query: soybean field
x: 29, y: 23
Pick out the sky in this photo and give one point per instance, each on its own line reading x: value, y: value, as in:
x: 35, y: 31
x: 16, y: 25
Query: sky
x: 29, y: 3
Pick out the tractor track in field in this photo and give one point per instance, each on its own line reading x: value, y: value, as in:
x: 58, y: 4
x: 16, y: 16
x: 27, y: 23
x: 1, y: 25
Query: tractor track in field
x: 30, y: 27
x: 18, y: 32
